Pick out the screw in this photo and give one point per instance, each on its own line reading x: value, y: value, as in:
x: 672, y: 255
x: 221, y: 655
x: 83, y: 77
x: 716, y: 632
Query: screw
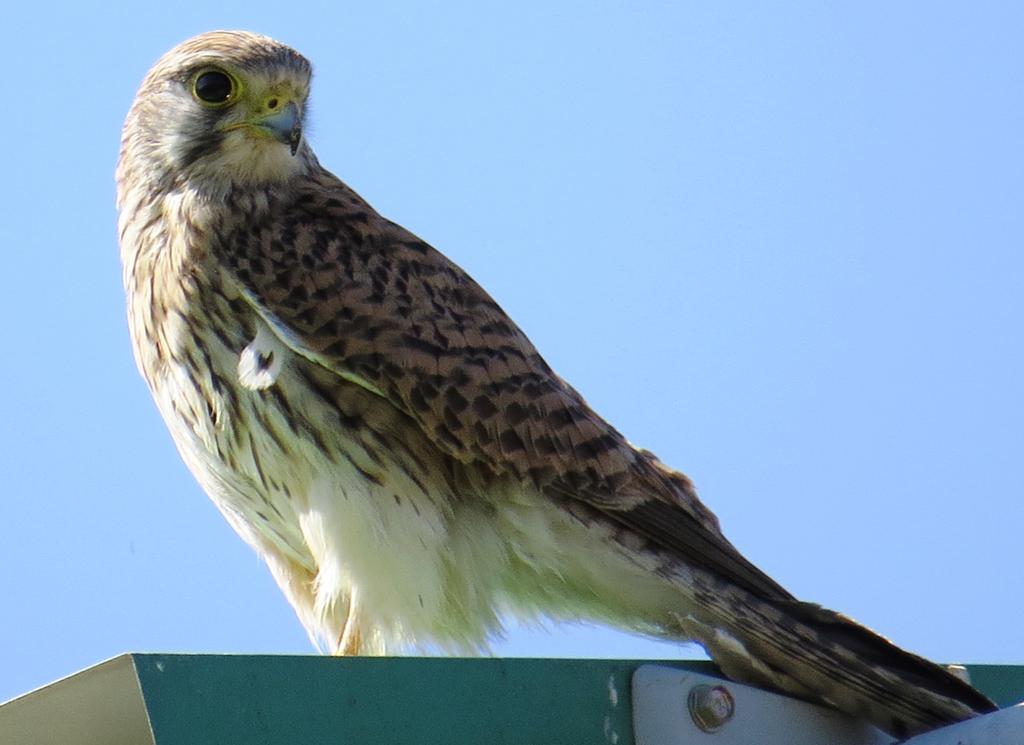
x: 710, y: 706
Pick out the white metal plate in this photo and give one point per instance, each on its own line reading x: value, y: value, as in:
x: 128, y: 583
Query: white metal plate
x: 661, y: 716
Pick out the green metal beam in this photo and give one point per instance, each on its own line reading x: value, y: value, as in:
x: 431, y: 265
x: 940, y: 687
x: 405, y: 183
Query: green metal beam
x: 1004, y: 684
x: 386, y: 701
x: 172, y: 699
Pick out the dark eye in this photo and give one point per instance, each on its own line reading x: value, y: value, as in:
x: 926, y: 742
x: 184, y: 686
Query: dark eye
x: 213, y: 86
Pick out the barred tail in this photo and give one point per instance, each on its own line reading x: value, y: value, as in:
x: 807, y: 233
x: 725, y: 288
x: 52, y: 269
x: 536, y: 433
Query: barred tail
x: 817, y: 654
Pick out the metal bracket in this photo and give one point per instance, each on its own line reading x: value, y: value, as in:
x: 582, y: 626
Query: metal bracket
x: 1003, y: 727
x: 679, y: 707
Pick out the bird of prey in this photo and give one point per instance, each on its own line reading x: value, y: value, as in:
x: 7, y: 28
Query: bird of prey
x: 374, y: 425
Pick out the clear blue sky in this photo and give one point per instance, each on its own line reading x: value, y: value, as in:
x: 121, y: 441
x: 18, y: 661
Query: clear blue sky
x: 780, y: 244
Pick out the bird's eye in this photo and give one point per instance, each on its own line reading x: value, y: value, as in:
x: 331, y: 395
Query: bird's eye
x: 213, y: 86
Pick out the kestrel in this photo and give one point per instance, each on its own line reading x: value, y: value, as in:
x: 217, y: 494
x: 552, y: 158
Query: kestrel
x: 390, y: 442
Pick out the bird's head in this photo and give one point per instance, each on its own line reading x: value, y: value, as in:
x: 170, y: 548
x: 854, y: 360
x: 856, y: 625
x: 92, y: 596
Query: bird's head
x: 221, y: 109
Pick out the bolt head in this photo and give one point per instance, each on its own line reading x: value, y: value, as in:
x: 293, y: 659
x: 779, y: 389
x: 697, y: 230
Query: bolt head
x: 710, y: 706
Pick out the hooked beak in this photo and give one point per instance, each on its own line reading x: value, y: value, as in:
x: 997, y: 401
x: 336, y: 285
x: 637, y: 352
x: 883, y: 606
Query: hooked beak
x: 284, y: 125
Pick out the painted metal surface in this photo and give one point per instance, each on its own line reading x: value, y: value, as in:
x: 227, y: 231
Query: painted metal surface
x: 170, y: 699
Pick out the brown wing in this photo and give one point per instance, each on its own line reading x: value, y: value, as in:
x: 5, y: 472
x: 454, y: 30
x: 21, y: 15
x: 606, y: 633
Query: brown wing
x: 368, y: 300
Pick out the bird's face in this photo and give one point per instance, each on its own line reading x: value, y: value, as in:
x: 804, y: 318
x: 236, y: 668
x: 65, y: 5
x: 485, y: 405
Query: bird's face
x: 222, y: 108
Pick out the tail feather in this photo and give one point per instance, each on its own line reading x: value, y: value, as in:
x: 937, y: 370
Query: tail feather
x: 811, y: 652
x: 874, y: 648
